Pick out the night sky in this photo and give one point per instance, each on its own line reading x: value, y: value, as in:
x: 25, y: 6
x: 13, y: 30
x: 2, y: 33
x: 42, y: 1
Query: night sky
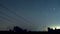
x: 34, y: 15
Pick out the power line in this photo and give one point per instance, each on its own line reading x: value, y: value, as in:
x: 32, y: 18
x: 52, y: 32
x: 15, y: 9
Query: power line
x: 9, y: 16
x: 13, y: 13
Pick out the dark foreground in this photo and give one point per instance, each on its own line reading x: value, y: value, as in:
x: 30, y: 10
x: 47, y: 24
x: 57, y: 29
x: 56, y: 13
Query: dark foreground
x: 19, y: 30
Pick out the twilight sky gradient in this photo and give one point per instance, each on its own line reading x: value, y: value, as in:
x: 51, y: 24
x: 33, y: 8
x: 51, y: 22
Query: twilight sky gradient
x: 35, y: 15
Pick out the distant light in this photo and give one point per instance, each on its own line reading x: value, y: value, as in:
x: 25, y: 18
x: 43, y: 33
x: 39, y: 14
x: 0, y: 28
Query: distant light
x: 57, y: 27
x: 53, y: 28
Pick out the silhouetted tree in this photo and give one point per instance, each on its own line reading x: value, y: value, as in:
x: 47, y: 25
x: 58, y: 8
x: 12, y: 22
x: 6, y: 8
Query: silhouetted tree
x: 18, y: 29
